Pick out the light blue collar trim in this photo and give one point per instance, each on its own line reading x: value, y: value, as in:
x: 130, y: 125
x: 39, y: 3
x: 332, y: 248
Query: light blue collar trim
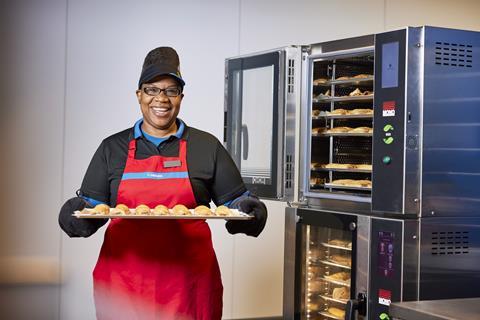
x: 138, y: 132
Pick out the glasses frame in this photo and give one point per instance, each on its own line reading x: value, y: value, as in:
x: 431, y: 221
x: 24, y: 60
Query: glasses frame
x: 170, y: 95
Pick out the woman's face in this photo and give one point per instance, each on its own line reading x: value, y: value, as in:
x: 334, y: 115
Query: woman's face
x: 159, y: 112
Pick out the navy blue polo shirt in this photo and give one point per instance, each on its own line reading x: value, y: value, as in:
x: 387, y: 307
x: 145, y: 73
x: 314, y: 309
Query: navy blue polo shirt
x: 212, y: 172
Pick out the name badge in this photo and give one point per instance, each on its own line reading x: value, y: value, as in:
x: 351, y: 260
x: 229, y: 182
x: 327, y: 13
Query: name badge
x: 172, y: 164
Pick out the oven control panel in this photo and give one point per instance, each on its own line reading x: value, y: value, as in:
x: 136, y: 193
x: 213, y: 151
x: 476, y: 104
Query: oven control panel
x: 389, y: 114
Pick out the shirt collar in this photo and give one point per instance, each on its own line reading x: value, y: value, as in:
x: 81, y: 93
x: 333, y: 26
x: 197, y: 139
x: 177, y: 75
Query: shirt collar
x: 137, y: 129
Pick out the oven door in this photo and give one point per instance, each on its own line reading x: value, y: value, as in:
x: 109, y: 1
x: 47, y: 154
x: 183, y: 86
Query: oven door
x: 253, y: 104
x: 328, y: 272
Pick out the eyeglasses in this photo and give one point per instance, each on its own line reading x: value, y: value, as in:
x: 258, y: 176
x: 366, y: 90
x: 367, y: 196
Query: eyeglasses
x: 169, y: 92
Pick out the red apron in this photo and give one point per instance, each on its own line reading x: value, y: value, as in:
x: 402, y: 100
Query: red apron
x: 156, y: 268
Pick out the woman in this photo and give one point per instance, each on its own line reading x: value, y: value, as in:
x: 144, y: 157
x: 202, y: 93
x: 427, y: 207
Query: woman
x: 160, y: 269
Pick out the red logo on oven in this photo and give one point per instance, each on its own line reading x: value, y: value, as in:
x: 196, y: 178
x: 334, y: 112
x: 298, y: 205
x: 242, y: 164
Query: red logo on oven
x: 388, y: 108
x: 384, y: 297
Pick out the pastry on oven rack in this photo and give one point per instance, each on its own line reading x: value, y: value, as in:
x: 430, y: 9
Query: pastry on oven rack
x: 344, y: 78
x: 342, y: 260
x: 367, y: 93
x: 340, y: 243
x: 142, y: 210
x: 338, y: 166
x: 360, y: 111
x: 353, y: 183
x: 327, y: 94
x: 362, y: 75
x: 336, y: 312
x: 342, y: 276
x: 319, y: 130
x: 314, y: 181
x: 356, y: 92
x: 316, y: 165
x: 339, y: 130
x: 363, y: 166
x: 360, y: 130
x: 161, y: 210
x: 120, y: 209
x: 337, y: 112
x: 340, y: 293
x: 319, y: 81
x: 180, y: 210
x: 316, y: 113
x: 202, y: 211
x: 102, y: 209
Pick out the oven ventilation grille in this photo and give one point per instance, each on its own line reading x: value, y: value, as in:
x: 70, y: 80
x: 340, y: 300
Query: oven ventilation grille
x: 291, y: 76
x: 289, y: 172
x: 450, y: 242
x: 453, y: 54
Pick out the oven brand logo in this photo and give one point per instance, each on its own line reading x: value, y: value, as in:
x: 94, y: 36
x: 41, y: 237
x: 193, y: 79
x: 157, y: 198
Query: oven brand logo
x: 388, y: 109
x: 384, y: 297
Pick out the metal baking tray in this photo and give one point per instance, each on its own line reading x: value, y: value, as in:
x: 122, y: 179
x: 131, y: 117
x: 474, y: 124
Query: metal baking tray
x: 344, y: 98
x: 341, y: 134
x: 328, y: 245
x: 329, y: 315
x: 335, y: 264
x: 338, y: 282
x: 343, y: 116
x: 342, y: 170
x: 339, y: 186
x: 329, y: 298
x: 235, y: 215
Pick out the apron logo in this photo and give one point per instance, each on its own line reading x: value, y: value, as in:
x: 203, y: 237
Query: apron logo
x: 154, y: 175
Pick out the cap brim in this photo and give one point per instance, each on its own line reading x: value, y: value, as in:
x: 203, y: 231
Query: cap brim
x: 155, y: 71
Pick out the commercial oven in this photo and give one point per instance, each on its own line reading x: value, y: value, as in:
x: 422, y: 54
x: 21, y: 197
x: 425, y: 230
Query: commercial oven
x: 385, y: 135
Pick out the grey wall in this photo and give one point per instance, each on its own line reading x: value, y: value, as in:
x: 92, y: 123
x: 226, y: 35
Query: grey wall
x: 69, y: 70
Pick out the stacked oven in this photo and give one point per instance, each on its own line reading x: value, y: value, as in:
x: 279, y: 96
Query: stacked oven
x: 374, y: 142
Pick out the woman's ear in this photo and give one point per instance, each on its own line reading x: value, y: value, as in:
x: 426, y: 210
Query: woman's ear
x: 139, y: 95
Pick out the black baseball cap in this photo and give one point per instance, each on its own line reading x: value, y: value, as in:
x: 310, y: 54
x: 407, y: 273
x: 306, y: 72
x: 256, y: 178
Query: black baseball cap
x: 158, y: 62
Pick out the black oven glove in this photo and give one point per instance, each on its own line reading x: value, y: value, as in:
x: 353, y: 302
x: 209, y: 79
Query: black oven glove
x: 73, y: 226
x: 253, y: 206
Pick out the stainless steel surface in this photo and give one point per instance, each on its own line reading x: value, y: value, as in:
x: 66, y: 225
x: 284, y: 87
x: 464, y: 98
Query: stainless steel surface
x: 291, y: 124
x: 411, y: 249
x: 451, y: 309
x: 451, y: 122
x: 363, y: 255
x: 289, y: 264
x: 449, y: 258
x: 413, y: 119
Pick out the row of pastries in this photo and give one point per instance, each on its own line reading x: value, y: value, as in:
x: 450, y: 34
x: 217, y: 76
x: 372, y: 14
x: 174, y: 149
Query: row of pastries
x: 179, y: 210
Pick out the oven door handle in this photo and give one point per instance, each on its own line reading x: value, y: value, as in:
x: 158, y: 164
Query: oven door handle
x: 245, y: 141
x: 359, y: 304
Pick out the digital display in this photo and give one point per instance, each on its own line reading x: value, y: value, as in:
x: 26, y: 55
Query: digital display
x: 390, y: 53
x: 385, y: 253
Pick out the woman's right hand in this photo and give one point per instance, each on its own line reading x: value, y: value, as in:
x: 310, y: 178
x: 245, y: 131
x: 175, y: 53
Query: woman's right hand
x: 73, y: 226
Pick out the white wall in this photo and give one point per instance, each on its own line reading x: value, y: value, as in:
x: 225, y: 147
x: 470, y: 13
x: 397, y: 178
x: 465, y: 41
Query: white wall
x: 69, y: 72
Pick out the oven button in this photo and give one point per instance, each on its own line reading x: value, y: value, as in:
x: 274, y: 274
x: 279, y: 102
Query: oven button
x: 386, y: 160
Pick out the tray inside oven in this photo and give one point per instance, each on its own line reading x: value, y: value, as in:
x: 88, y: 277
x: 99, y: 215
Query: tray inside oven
x: 339, y: 186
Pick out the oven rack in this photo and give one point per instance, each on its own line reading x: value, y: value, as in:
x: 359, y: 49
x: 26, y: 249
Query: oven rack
x: 338, y: 186
x: 341, y: 170
x: 335, y: 247
x: 341, y: 134
x: 328, y: 298
x: 337, y: 282
x: 329, y: 315
x: 342, y: 116
x: 335, y: 264
x: 346, y: 81
x: 344, y: 98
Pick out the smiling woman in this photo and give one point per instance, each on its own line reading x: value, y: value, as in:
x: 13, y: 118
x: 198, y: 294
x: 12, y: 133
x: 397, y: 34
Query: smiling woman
x: 155, y: 269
